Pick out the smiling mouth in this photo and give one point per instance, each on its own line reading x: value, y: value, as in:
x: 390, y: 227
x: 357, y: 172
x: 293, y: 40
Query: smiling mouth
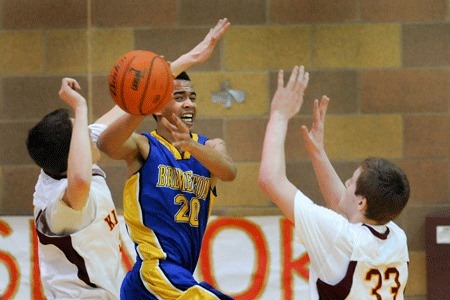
x: 188, y: 118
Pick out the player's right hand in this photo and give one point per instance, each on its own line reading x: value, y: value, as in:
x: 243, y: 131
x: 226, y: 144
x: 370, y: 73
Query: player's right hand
x: 68, y: 93
x: 287, y: 100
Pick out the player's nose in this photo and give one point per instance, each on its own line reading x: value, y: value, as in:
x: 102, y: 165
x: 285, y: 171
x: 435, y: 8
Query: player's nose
x: 188, y: 102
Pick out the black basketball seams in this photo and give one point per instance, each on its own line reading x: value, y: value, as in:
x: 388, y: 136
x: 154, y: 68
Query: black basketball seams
x: 168, y: 83
x: 147, y: 81
x: 122, y: 83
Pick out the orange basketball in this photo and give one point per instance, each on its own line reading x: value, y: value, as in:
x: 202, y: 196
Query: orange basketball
x: 141, y: 82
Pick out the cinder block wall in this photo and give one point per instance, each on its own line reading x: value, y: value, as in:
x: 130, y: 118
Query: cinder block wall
x: 385, y: 64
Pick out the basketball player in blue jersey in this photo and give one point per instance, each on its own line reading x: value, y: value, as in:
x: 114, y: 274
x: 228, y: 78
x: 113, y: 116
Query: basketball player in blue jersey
x: 355, y: 250
x: 169, y: 195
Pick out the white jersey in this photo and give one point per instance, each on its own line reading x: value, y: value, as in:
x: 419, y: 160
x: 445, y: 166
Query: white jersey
x: 79, y: 255
x: 350, y: 261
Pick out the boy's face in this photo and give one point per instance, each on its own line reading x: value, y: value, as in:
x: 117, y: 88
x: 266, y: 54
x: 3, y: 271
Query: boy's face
x: 182, y: 103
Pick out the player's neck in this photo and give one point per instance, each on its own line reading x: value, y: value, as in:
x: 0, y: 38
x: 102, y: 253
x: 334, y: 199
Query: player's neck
x: 361, y: 218
x: 165, y: 133
x: 162, y: 131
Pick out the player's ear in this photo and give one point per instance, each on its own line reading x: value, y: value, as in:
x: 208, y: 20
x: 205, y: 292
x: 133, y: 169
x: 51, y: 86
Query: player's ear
x: 362, y: 204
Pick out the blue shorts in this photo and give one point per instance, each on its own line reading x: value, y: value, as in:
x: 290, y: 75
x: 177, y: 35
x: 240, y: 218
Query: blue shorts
x: 166, y: 281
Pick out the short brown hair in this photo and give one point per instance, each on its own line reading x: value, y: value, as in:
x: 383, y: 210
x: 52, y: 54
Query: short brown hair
x: 48, y: 142
x: 385, y: 187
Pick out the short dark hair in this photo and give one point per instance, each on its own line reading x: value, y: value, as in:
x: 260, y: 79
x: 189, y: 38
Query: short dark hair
x: 48, y: 142
x: 385, y: 187
x: 183, y: 76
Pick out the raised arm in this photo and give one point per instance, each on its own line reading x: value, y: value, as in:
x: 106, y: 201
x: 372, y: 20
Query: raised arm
x: 79, y: 165
x: 120, y: 142
x: 213, y: 155
x: 110, y: 116
x: 203, y: 50
x: 286, y: 103
x: 329, y: 182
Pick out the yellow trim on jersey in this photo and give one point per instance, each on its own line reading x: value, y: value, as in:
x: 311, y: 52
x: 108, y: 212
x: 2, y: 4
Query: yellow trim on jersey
x: 149, y: 249
x: 197, y: 292
x: 171, y: 148
x: 140, y: 234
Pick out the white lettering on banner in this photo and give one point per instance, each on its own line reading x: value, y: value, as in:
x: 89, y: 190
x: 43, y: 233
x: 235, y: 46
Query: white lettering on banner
x: 247, y: 258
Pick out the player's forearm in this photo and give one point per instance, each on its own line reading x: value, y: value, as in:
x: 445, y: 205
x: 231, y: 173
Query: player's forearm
x: 115, y: 141
x: 328, y: 180
x: 273, y: 163
x: 272, y: 177
x: 79, y: 165
x: 181, y: 64
x: 184, y: 62
x: 219, y: 164
x: 80, y: 159
x: 112, y: 115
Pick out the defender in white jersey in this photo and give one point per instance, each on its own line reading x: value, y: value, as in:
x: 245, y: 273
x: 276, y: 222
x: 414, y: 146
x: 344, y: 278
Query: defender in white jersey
x: 355, y: 250
x: 74, y: 213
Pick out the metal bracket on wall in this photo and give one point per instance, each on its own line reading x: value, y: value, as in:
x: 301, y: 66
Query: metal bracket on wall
x: 227, y: 95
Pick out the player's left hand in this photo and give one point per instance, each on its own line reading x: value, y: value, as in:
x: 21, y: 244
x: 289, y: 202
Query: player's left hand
x: 314, y: 138
x: 180, y: 133
x: 69, y: 93
x: 203, y: 50
x: 287, y: 100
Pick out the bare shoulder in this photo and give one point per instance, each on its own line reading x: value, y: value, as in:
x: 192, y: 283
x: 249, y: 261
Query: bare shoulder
x: 142, y: 143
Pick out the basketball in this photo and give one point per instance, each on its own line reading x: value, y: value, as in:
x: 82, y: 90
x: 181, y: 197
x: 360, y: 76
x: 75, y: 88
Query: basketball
x: 141, y: 82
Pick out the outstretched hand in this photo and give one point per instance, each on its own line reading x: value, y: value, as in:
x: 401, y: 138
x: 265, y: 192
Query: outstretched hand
x: 314, y: 138
x: 288, y: 99
x: 203, y: 50
x: 69, y: 92
x: 180, y: 132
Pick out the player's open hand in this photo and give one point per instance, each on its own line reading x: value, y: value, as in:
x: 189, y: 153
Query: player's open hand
x: 69, y: 93
x: 180, y: 132
x: 203, y: 50
x: 288, y: 99
x: 314, y: 138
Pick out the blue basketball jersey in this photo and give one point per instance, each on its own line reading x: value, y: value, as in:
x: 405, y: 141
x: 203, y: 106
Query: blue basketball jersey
x: 166, y: 207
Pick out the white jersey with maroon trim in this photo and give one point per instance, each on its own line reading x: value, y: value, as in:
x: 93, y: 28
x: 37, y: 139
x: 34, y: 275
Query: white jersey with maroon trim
x: 78, y: 263
x: 351, y: 261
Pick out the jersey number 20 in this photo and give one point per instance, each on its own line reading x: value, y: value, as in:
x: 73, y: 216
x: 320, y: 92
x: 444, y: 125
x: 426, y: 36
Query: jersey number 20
x: 189, y: 210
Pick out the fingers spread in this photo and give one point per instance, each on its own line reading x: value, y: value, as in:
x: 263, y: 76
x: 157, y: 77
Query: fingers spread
x: 280, y: 78
x: 294, y: 75
x: 324, y: 105
x: 301, y: 72
x: 325, y: 100
x: 168, y: 125
x: 304, y: 131
x: 220, y: 28
x: 303, y: 77
x: 306, y: 78
x: 316, y: 110
x: 181, y: 127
